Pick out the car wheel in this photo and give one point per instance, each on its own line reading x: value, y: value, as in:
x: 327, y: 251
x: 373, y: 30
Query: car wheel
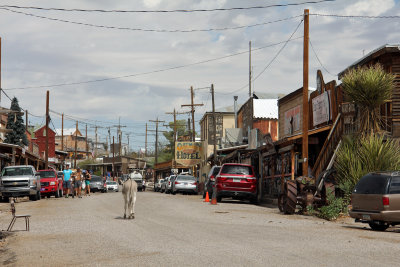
x: 174, y: 193
x: 219, y: 198
x: 378, y: 226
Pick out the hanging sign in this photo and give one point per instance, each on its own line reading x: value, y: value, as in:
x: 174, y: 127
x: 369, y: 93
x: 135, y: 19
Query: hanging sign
x: 188, y: 153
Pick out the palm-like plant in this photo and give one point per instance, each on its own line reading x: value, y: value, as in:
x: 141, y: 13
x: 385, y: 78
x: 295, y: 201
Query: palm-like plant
x: 369, y: 88
x: 367, y: 154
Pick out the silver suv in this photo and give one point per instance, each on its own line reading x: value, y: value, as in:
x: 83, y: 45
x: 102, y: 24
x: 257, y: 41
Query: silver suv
x: 20, y: 181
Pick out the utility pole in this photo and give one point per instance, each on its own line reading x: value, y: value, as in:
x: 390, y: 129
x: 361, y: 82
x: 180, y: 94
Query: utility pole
x: 192, y: 105
x: 113, y: 160
x: 62, y: 132
x: 250, y: 69
x: 156, y: 143
x: 26, y: 118
x: 87, y: 145
x: 214, y: 194
x: 305, y: 93
x: 46, y: 151
x: 109, y: 136
x: 76, y: 143
x: 127, y: 136
x: 175, y: 131
x: 145, y: 143
x: 95, y: 145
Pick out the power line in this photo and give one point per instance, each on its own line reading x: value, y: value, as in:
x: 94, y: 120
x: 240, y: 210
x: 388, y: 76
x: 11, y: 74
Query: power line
x: 163, y: 11
x: 269, y: 64
x: 356, y: 16
x: 145, y: 30
x: 315, y: 53
x: 277, y: 54
x: 144, y: 73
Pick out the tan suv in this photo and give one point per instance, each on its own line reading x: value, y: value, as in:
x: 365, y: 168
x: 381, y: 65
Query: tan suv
x: 376, y: 200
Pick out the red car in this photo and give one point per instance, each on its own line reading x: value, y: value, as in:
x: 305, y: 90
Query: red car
x: 237, y: 181
x: 50, y: 183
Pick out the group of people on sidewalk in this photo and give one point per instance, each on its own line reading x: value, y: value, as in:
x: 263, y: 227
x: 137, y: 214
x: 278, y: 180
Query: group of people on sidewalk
x: 73, y: 182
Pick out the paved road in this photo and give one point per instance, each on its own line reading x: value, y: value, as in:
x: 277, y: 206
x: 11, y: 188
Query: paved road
x: 181, y: 230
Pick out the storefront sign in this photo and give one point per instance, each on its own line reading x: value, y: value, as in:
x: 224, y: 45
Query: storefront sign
x: 292, y: 120
x: 188, y: 153
x: 321, y: 109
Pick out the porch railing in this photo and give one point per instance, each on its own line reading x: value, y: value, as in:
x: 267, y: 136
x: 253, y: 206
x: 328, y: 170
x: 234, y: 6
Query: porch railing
x: 331, y: 142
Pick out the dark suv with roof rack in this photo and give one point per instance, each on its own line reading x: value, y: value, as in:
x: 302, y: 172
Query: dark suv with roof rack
x: 376, y: 200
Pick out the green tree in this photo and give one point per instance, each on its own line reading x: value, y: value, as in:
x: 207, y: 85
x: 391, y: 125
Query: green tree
x: 369, y: 88
x: 167, y: 153
x: 15, y: 123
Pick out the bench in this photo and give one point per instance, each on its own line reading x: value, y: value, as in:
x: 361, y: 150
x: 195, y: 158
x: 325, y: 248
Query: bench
x: 15, y: 217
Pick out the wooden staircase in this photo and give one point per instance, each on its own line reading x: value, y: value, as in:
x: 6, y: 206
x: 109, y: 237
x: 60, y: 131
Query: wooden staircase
x: 329, y: 147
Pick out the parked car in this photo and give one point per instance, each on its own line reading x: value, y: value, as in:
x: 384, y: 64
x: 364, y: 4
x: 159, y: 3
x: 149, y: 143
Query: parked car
x: 51, y: 183
x: 138, y: 178
x: 185, y: 184
x: 237, y: 181
x: 164, y: 184
x: 376, y: 200
x: 158, y: 185
x: 20, y: 181
x: 168, y: 185
x: 60, y: 174
x: 112, y: 186
x: 97, y: 183
x: 209, y: 183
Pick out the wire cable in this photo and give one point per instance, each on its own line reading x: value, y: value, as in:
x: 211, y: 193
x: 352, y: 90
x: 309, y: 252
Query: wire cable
x: 144, y: 73
x: 315, y: 53
x: 269, y: 64
x: 145, y: 30
x: 164, y: 11
x: 355, y: 16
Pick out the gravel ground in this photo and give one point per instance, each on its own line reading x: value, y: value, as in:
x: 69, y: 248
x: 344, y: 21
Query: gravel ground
x: 182, y: 230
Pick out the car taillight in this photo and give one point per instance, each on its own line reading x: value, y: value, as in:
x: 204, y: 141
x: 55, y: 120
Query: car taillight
x: 385, y: 201
x: 195, y: 183
x: 212, y: 178
x: 221, y: 179
x: 176, y: 182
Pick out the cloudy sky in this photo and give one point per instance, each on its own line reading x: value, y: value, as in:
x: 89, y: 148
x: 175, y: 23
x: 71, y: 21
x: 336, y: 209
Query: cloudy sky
x: 149, y: 60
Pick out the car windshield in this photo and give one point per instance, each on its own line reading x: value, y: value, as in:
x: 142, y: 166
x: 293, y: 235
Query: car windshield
x: 372, y: 184
x: 111, y: 183
x: 17, y: 171
x: 236, y: 169
x: 162, y: 180
x: 185, y: 178
x: 395, y: 185
x: 96, y: 179
x: 47, y: 174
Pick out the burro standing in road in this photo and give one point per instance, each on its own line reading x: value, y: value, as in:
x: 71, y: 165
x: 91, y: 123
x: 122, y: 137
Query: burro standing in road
x: 129, y: 190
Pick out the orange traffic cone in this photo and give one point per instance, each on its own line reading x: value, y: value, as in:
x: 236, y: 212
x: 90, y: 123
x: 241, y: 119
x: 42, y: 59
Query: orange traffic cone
x: 207, y: 199
x: 213, y: 201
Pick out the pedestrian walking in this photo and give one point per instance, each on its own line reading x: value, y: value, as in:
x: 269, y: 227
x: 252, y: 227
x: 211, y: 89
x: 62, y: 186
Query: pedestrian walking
x: 78, y: 183
x: 88, y: 177
x: 67, y: 180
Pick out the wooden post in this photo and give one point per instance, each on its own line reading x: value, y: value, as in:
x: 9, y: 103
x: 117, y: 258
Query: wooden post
x: 292, y: 162
x: 145, y: 143
x: 214, y: 125
x: 46, y: 151
x: 193, y: 122
x: 113, y: 160
x: 26, y: 120
x: 62, y: 132
x: 250, y: 69
x: 305, y: 94
x: 87, y: 146
x: 76, y: 143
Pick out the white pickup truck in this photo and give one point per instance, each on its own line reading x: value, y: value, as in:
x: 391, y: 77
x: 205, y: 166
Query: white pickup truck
x: 20, y: 181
